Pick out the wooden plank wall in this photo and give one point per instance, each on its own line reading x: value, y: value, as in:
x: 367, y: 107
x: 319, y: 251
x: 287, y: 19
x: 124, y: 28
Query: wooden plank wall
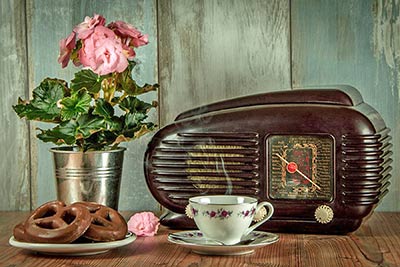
x: 15, y: 182
x: 200, y: 51
x: 213, y: 50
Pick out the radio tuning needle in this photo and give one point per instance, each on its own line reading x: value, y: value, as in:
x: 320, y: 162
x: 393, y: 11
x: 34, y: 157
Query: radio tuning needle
x: 299, y: 172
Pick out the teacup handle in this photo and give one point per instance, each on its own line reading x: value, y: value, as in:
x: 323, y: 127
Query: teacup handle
x: 270, y: 211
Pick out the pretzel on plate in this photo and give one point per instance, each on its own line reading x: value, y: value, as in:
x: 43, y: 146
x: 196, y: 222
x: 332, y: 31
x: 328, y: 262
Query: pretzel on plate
x: 106, y: 225
x: 54, y: 222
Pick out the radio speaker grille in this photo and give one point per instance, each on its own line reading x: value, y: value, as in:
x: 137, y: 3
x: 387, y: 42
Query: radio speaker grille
x: 188, y: 164
x: 366, y: 167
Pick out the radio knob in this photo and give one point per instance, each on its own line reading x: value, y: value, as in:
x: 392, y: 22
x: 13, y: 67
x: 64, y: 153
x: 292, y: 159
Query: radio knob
x: 189, y: 212
x: 323, y: 214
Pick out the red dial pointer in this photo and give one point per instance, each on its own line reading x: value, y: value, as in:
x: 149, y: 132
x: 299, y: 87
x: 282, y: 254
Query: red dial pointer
x: 292, y: 168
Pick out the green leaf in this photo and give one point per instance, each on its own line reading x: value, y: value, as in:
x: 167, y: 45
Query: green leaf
x: 100, y: 140
x: 131, y: 65
x: 103, y: 108
x: 78, y: 103
x: 114, y: 124
x: 138, y: 131
x: 132, y: 104
x: 132, y: 120
x: 62, y: 134
x: 133, y: 124
x: 43, y: 106
x: 129, y: 85
x: 89, y: 124
x: 75, y: 53
x: 87, y: 79
x: 73, y: 131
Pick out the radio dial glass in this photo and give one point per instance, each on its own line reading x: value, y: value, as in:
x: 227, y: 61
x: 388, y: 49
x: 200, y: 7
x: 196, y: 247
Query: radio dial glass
x: 301, y: 167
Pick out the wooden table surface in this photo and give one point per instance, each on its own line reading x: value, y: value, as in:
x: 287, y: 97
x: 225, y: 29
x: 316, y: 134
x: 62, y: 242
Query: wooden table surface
x: 375, y: 243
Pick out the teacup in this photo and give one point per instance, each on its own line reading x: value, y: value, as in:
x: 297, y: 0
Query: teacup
x: 227, y: 218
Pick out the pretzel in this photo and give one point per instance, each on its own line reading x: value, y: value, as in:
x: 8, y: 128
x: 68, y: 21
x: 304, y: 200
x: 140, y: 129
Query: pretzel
x: 54, y: 222
x: 107, y: 224
x: 19, y: 232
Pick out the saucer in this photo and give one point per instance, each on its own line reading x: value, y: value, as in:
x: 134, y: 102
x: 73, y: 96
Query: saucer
x: 195, y: 241
x: 73, y: 249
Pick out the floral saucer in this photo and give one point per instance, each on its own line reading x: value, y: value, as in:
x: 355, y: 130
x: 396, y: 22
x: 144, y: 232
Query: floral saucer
x: 195, y: 241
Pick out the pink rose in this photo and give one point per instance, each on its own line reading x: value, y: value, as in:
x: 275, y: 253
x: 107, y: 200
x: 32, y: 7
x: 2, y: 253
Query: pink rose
x: 130, y: 36
x: 224, y: 213
x: 143, y: 224
x: 66, y: 47
x: 86, y: 28
x: 103, y: 52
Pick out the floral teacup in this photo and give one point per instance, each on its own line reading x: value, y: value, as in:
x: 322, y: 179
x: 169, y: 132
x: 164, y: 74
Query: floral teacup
x: 227, y: 218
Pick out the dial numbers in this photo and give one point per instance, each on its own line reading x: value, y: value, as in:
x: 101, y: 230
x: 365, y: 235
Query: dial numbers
x: 300, y: 167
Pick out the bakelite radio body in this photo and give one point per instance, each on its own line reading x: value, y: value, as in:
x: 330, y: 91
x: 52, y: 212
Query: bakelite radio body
x: 320, y: 156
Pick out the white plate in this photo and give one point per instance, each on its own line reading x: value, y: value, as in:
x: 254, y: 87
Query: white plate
x: 196, y: 242
x: 75, y: 249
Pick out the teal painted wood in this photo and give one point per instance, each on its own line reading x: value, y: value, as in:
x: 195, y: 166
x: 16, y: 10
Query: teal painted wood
x: 14, y: 137
x: 51, y: 22
x: 354, y: 42
x: 214, y: 50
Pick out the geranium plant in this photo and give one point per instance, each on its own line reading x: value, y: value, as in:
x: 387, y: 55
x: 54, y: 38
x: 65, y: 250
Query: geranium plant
x: 100, y: 107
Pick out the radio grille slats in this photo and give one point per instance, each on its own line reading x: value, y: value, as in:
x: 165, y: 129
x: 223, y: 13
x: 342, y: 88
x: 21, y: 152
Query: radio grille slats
x: 222, y: 142
x: 193, y: 167
x: 233, y: 136
x: 206, y: 180
x: 207, y: 152
x: 366, y: 166
x: 189, y: 158
x: 188, y: 164
x: 193, y: 176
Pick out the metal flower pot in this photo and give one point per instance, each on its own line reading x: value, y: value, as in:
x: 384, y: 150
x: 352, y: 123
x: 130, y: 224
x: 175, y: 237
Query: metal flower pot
x: 88, y: 176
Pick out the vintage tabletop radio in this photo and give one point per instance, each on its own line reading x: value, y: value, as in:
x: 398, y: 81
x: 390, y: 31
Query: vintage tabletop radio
x: 320, y: 156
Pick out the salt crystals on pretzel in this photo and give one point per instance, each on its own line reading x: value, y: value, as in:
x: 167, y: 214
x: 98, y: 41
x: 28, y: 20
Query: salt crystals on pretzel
x: 56, y: 222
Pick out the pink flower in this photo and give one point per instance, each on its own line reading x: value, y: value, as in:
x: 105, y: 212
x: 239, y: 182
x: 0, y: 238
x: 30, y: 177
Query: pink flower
x: 143, y: 224
x: 102, y: 51
x: 66, y: 47
x: 224, y: 213
x: 86, y: 28
x: 130, y: 36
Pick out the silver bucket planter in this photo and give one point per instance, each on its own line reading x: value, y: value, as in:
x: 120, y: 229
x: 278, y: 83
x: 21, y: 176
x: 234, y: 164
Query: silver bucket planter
x: 88, y: 176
